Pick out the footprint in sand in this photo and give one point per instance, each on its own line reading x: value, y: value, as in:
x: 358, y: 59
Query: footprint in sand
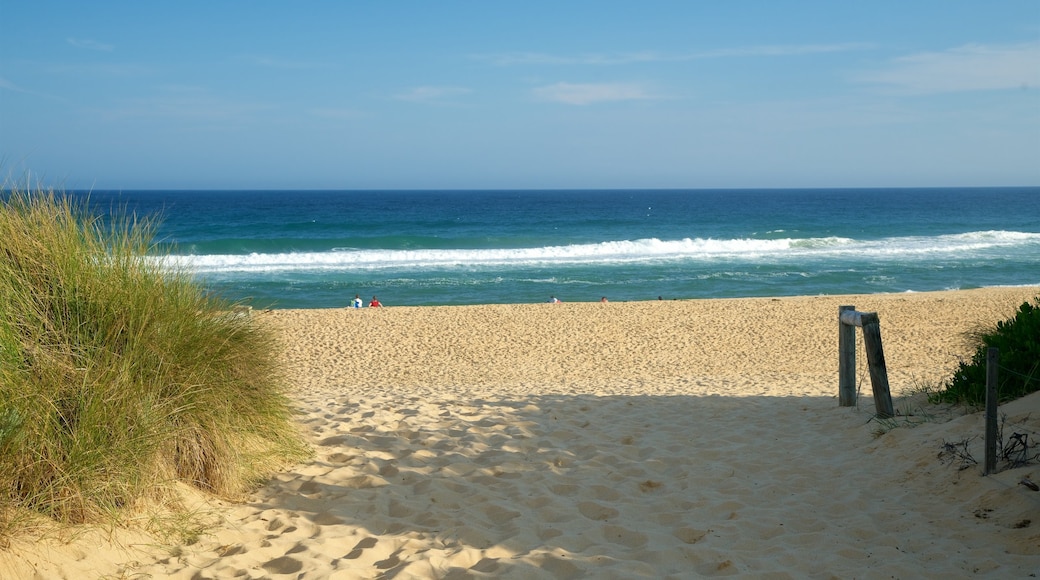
x: 564, y: 489
x: 546, y: 534
x: 486, y: 566
x: 396, y: 509
x: 595, y: 511
x: 500, y: 515
x: 690, y: 535
x: 232, y: 550
x: 283, y: 565
x: 558, y: 567
x: 335, y: 440
x: 326, y: 519
x: 624, y: 536
x: 276, y: 524
x: 604, y: 493
x: 390, y: 562
x: 360, y: 547
x: 340, y: 458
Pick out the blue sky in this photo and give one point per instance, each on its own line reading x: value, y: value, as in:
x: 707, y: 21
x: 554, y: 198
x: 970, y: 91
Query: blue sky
x: 531, y: 94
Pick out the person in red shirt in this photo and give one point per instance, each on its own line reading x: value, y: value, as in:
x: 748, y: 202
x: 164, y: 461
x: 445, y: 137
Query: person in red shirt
x: 374, y: 303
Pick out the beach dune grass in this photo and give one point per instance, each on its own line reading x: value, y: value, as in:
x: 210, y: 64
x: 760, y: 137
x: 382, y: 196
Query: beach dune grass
x: 119, y: 376
x: 1017, y: 340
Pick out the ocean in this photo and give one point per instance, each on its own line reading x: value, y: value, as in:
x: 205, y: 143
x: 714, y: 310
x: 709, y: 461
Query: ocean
x: 318, y: 249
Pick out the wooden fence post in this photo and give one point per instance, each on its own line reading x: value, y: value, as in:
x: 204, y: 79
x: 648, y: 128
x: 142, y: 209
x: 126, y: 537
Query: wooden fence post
x: 876, y: 364
x: 992, y: 366
x: 846, y: 360
x: 868, y: 321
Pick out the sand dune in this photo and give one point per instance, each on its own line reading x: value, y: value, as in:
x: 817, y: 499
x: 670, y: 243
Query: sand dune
x: 669, y: 439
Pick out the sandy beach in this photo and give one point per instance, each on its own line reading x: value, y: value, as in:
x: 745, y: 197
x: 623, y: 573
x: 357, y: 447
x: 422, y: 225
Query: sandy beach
x: 659, y: 439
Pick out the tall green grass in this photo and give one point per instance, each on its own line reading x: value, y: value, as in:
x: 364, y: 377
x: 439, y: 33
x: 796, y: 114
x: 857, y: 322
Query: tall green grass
x: 118, y: 374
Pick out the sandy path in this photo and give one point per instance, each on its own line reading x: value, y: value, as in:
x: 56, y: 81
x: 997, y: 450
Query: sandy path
x: 621, y: 440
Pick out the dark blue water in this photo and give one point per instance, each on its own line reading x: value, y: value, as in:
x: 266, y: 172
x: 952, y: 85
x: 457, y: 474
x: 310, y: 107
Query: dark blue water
x: 311, y: 249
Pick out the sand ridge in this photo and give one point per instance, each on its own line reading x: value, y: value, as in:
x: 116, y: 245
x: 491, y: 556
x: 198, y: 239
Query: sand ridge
x: 670, y: 439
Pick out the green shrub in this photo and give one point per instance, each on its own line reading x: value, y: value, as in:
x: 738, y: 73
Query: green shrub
x: 1018, y: 339
x: 120, y: 375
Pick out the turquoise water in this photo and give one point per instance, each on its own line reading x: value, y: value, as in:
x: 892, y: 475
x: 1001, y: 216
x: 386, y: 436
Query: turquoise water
x: 317, y: 249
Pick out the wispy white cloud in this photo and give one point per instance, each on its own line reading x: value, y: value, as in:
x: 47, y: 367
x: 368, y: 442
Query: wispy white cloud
x: 6, y: 85
x: 283, y: 63
x: 973, y: 67
x: 86, y: 43
x: 598, y: 59
x: 342, y: 114
x: 785, y: 50
x: 590, y: 93
x: 537, y: 58
x: 427, y: 94
x: 184, y: 103
x: 96, y: 69
x: 9, y: 86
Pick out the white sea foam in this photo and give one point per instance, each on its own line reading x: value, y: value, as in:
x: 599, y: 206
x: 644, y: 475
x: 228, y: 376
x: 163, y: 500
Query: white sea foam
x: 623, y: 251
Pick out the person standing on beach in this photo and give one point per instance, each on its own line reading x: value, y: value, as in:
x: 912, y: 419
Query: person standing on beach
x: 374, y: 303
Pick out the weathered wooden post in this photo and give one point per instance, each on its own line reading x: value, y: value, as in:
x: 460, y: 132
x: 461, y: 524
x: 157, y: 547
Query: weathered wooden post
x: 992, y: 366
x: 868, y: 321
x: 846, y: 360
x: 876, y: 364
